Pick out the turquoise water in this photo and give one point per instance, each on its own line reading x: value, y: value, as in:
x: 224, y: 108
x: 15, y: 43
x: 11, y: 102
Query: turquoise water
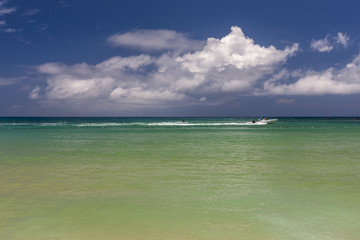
x: 159, y: 178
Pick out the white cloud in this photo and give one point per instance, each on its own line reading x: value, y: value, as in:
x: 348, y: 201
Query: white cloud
x: 154, y: 40
x: 235, y: 50
x: 6, y: 82
x: 83, y: 81
x: 322, y: 45
x: 342, y: 39
x: 70, y: 87
x: 218, y: 72
x: 221, y: 71
x: 7, y: 28
x: 330, y: 81
x: 34, y: 94
x: 6, y: 10
x: 233, y: 63
x: 115, y: 64
x: 9, y: 81
x: 328, y: 43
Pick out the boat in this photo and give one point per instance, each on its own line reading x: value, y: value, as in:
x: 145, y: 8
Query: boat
x: 264, y: 121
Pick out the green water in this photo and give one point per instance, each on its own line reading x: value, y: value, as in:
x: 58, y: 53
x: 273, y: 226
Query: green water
x: 134, y: 178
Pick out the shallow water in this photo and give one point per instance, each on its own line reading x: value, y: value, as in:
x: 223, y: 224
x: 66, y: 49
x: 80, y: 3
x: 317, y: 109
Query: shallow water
x: 159, y: 178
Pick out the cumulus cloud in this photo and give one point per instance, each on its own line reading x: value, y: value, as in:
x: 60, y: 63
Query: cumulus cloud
x: 331, y: 81
x: 154, y: 40
x: 329, y: 42
x: 234, y: 62
x: 117, y: 79
x: 235, y: 50
x: 219, y: 71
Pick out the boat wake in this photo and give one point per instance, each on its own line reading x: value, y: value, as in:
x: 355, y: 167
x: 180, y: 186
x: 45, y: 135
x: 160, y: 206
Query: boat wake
x: 131, y: 124
x: 135, y: 124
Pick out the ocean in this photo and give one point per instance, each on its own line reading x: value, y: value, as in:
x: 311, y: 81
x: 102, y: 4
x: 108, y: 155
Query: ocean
x: 161, y: 178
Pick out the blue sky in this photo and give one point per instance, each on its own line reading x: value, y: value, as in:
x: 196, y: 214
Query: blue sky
x: 179, y: 58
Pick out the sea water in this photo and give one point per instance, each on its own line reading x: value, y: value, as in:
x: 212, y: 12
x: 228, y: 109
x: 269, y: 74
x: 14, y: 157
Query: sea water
x: 161, y: 178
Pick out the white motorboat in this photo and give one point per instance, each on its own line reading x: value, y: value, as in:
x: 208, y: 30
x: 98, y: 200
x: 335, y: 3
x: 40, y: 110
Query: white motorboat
x: 265, y: 121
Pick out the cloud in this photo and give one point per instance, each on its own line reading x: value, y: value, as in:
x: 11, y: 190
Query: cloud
x: 154, y: 40
x: 233, y: 63
x: 5, y: 10
x: 34, y: 94
x: 322, y: 45
x: 328, y: 43
x: 4, y: 27
x: 83, y: 81
x: 342, y: 39
x: 234, y: 50
x: 8, y: 81
x: 220, y: 71
x: 9, y: 30
x: 331, y: 81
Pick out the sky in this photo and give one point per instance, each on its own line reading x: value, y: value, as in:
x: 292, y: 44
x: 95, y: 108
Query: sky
x: 179, y: 58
